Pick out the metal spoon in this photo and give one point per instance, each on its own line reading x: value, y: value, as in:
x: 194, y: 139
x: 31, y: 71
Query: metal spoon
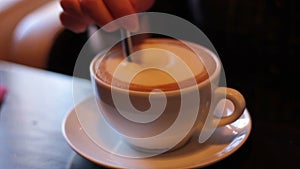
x: 126, y: 43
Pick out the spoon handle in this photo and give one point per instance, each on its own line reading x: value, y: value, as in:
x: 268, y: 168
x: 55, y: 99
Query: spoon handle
x: 126, y: 43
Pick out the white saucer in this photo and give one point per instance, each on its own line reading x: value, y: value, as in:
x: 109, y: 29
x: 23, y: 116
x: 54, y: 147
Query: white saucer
x: 224, y: 141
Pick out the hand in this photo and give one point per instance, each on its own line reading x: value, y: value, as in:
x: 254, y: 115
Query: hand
x: 78, y: 14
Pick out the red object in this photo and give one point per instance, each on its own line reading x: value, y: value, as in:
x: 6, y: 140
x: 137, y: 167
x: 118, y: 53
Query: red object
x: 2, y: 92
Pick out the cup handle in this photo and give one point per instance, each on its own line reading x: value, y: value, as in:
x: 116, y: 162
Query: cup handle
x: 236, y: 98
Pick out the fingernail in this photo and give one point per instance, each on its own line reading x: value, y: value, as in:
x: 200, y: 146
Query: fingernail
x: 131, y: 23
x: 111, y: 27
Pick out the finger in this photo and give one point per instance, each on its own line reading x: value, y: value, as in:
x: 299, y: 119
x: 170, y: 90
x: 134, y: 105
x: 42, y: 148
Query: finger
x: 71, y: 7
x: 73, y: 23
x: 98, y: 11
x: 141, y: 6
x: 120, y: 8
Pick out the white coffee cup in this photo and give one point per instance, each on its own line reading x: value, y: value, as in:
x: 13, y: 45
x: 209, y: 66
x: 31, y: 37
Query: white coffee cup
x: 187, y: 110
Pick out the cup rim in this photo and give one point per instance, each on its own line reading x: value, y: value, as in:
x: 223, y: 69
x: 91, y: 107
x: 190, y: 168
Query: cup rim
x: 212, y: 76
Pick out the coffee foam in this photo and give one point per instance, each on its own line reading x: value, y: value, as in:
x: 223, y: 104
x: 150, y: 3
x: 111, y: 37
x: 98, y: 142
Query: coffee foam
x: 155, y: 65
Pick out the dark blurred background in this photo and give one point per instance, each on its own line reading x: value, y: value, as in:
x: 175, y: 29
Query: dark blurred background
x: 258, y: 42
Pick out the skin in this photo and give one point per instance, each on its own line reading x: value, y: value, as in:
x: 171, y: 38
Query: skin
x: 78, y: 14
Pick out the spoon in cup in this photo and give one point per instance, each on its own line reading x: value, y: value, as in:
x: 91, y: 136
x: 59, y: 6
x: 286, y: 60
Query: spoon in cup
x: 126, y: 43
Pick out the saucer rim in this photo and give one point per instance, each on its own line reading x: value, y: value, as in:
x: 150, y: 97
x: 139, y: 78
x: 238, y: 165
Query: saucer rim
x: 198, y: 165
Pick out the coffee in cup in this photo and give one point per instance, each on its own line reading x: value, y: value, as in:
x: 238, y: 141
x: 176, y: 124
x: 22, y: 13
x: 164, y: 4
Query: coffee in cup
x: 164, y: 95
